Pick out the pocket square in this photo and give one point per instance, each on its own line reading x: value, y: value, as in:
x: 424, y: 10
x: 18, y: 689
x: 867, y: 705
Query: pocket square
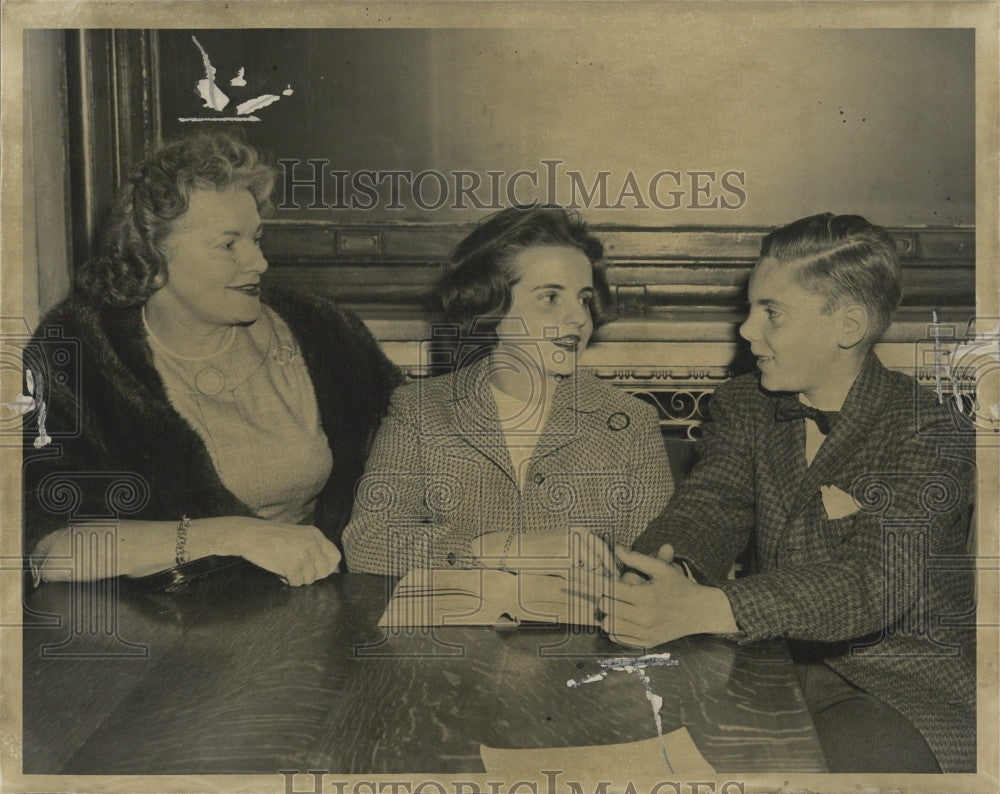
x: 836, y: 502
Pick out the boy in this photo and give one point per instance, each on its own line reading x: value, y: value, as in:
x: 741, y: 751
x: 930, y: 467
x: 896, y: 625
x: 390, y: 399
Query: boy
x: 851, y: 582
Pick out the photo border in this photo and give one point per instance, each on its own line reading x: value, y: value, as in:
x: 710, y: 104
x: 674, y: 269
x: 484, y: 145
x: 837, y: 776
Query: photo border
x: 20, y: 14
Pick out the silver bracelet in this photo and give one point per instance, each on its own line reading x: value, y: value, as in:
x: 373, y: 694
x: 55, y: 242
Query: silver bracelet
x: 181, y: 555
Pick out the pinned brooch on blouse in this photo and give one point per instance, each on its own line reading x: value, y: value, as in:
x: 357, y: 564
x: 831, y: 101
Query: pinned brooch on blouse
x: 283, y: 355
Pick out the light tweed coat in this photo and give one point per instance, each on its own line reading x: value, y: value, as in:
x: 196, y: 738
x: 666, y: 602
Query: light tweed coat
x: 879, y: 594
x: 439, y: 473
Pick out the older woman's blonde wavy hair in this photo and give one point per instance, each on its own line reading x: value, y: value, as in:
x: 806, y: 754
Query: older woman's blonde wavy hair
x: 133, y: 263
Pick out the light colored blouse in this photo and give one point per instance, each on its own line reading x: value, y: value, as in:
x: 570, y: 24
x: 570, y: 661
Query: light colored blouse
x: 517, y: 418
x: 254, y: 406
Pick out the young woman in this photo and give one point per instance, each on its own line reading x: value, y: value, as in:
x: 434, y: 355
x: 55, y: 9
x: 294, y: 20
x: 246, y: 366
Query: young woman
x: 516, y: 458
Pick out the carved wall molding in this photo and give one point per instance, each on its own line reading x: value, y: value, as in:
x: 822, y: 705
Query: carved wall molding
x: 675, y: 274
x: 681, y: 393
x: 327, y: 241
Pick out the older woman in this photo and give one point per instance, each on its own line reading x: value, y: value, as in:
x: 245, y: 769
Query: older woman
x: 235, y: 422
x: 515, y: 458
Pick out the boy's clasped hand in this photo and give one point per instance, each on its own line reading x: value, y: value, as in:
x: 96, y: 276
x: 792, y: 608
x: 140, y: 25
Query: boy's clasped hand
x: 654, y: 601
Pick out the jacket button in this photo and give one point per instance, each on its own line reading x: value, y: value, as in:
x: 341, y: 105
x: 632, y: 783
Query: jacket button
x: 451, y: 558
x: 618, y: 421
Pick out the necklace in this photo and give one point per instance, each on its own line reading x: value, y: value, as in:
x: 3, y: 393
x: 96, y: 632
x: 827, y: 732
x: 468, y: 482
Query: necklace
x: 162, y: 345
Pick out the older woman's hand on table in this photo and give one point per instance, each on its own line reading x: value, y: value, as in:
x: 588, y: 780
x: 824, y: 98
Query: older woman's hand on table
x: 298, y: 554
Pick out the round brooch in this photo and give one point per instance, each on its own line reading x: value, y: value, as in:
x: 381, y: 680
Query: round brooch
x: 209, y: 381
x: 283, y: 355
x: 618, y: 421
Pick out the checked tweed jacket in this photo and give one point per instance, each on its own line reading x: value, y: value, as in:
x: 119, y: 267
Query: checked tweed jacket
x: 884, y: 595
x: 440, y: 474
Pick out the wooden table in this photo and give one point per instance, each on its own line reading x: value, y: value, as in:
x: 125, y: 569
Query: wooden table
x: 244, y: 675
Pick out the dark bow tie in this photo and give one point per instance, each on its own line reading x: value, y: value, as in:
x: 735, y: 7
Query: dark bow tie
x: 788, y: 408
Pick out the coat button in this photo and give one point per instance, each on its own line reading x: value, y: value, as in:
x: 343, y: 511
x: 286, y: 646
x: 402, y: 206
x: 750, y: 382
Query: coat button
x: 451, y: 558
x: 618, y: 421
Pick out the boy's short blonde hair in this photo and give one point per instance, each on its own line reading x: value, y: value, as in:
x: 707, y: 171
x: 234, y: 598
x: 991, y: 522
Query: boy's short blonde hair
x: 843, y: 258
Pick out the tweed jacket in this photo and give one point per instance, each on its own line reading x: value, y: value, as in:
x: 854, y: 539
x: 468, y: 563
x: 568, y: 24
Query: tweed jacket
x: 440, y: 473
x: 119, y: 448
x: 879, y: 593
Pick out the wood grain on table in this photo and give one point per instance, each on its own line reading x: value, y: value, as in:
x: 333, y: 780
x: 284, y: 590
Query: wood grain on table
x: 242, y: 674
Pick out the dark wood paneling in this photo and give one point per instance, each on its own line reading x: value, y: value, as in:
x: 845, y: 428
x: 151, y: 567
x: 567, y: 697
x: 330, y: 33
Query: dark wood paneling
x: 113, y: 102
x: 954, y: 245
x: 316, y: 241
x: 653, y: 272
x: 656, y: 272
x: 115, y: 92
x: 719, y: 244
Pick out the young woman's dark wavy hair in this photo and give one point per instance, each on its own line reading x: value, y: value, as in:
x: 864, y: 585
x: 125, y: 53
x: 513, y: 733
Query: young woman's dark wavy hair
x: 132, y: 264
x: 473, y: 290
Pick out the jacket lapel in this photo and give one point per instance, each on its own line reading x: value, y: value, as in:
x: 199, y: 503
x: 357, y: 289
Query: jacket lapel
x: 475, y: 414
x: 836, y: 456
x: 786, y: 457
x: 576, y: 400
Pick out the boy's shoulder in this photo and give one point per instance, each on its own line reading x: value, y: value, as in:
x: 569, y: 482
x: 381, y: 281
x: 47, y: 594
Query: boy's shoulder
x: 742, y: 394
x: 918, y: 407
x: 876, y: 382
x: 881, y: 398
x: 743, y: 387
x: 897, y: 401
